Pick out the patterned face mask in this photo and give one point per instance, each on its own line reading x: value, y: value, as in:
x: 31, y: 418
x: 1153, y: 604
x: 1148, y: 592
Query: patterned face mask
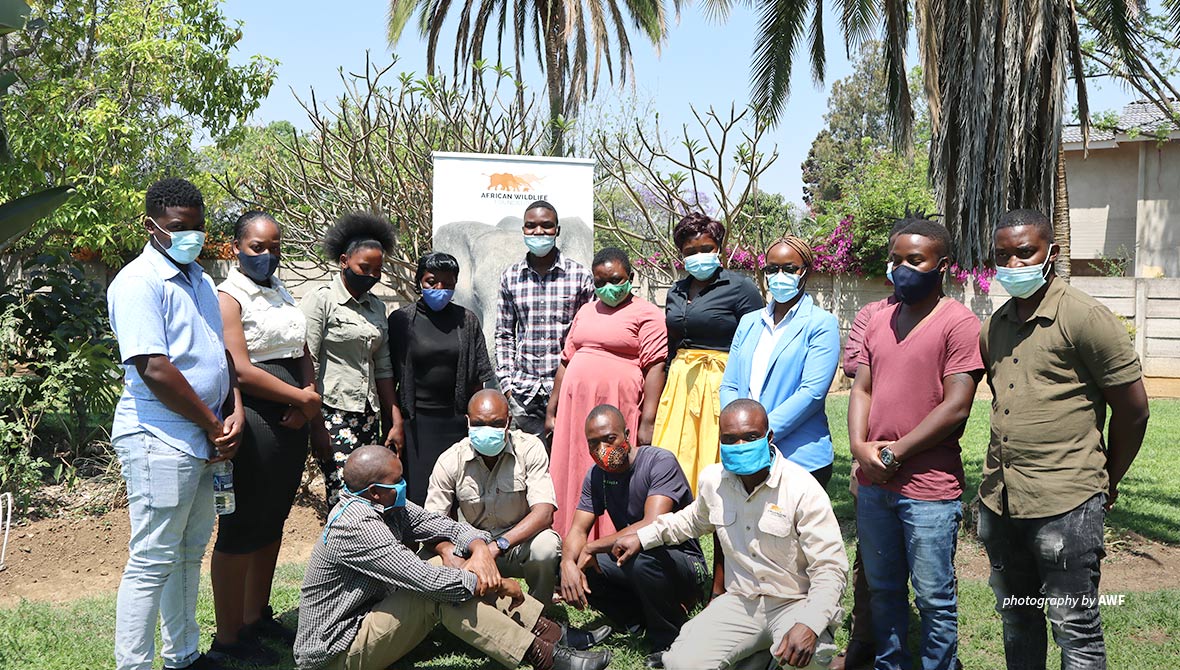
x: 611, y: 457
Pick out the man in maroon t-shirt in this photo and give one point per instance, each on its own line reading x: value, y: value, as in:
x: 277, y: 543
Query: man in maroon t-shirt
x: 911, y: 398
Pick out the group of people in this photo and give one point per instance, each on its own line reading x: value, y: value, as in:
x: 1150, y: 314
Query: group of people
x: 605, y: 439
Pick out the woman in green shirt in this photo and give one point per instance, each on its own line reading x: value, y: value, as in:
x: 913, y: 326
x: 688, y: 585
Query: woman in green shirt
x: 347, y: 336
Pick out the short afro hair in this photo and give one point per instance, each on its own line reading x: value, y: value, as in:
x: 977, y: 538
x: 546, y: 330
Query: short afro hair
x: 172, y: 192
x: 436, y: 261
x: 543, y: 205
x: 931, y: 230
x: 359, y: 230
x: 612, y: 254
x: 694, y: 224
x: 250, y: 217
x: 1028, y: 217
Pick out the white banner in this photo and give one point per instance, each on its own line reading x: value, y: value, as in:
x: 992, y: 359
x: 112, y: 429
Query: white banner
x: 479, y: 203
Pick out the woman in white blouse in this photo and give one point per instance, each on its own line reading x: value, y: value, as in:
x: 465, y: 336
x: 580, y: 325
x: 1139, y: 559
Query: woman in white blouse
x: 265, y: 334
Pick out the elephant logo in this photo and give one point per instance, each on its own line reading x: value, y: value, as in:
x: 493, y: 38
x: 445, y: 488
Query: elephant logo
x: 506, y: 181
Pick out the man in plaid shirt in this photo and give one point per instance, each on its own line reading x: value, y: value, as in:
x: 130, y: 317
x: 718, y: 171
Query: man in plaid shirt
x: 539, y: 297
x: 368, y: 600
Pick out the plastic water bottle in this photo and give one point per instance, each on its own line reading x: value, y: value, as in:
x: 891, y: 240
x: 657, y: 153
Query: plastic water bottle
x: 223, y: 488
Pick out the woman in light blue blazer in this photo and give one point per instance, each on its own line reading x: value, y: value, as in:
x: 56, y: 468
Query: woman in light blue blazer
x: 785, y: 356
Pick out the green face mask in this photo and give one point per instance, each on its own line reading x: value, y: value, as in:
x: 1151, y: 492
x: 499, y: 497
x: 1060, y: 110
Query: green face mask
x: 613, y: 294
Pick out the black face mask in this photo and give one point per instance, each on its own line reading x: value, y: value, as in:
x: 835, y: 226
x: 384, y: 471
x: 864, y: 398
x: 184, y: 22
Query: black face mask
x: 911, y: 286
x: 260, y: 268
x: 358, y: 284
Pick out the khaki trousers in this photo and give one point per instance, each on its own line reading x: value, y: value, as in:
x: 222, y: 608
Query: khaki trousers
x: 400, y: 622
x: 739, y: 633
x: 536, y: 561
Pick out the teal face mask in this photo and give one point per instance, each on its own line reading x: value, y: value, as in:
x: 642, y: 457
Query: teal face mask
x: 783, y: 286
x: 399, y: 501
x: 746, y: 458
x: 1025, y: 281
x: 186, y: 244
x: 614, y: 294
x: 702, y: 266
x: 540, y: 245
x: 487, y: 440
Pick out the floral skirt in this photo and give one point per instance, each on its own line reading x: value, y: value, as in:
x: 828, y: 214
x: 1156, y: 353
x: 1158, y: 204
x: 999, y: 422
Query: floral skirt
x: 347, y: 430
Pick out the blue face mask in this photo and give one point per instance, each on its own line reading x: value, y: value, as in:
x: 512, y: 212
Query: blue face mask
x: 437, y: 298
x: 911, y: 285
x: 540, y: 245
x: 702, y: 265
x: 889, y: 271
x: 260, y: 267
x: 186, y: 244
x: 399, y: 501
x: 1025, y: 281
x: 746, y: 458
x: 783, y: 286
x: 487, y: 440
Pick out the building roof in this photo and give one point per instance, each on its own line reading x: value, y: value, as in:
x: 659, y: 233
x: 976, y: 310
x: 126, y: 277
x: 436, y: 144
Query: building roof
x: 1137, y: 122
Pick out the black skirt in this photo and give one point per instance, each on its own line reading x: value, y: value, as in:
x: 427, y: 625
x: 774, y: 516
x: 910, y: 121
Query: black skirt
x: 268, y: 469
x: 428, y: 435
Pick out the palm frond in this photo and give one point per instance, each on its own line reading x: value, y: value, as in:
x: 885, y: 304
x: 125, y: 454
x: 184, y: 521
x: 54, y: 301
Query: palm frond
x: 857, y: 18
x: 929, y: 20
x: 780, y: 27
x: 900, y: 109
x: 399, y: 15
x: 819, y: 58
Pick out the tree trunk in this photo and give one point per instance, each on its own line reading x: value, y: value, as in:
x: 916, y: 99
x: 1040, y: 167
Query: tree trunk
x: 554, y: 36
x: 1061, y: 216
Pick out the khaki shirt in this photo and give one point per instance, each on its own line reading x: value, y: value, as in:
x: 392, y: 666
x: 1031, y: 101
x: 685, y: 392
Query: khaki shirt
x: 492, y: 500
x: 1047, y: 451
x: 781, y: 541
x: 347, y: 339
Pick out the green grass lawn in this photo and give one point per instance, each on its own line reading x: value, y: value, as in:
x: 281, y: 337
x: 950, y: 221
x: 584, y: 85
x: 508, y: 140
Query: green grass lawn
x: 1143, y: 633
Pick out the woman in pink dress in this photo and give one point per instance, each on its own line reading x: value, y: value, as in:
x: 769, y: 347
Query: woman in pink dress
x: 614, y: 354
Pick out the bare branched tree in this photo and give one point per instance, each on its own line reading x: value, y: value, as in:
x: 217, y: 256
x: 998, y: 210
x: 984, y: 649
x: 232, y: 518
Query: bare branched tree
x: 647, y: 185
x: 372, y: 151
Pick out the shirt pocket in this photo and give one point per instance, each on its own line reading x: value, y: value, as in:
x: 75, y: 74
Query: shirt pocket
x: 343, y: 328
x: 723, y: 522
x: 777, y: 538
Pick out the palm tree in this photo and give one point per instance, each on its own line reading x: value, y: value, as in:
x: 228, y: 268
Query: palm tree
x: 995, y: 77
x: 563, y: 35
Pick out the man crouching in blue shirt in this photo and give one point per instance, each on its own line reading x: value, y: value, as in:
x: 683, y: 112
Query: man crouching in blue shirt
x: 368, y: 600
x: 179, y: 412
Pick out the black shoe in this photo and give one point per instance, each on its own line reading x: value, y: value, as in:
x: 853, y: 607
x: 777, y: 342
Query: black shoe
x: 268, y: 628
x: 579, y: 639
x: 859, y: 655
x: 565, y: 658
x: 242, y: 652
x: 203, y: 662
x: 655, y: 660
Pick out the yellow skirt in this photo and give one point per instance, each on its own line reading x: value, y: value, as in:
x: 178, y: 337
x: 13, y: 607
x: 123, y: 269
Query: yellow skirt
x: 690, y: 408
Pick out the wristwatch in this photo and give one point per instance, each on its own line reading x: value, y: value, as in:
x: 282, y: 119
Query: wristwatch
x: 503, y: 543
x: 887, y: 457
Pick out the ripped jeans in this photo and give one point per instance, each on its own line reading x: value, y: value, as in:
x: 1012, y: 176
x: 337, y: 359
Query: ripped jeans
x: 1050, y: 564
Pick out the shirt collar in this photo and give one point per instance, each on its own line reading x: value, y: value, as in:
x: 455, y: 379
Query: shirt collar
x: 768, y: 314
x: 560, y: 264
x: 1050, y: 302
x: 164, y: 266
x: 724, y: 276
x: 772, y: 479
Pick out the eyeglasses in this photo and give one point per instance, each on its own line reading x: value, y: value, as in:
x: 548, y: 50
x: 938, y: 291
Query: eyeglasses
x: 772, y: 269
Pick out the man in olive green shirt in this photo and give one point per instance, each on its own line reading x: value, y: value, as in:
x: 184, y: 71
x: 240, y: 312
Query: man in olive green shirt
x: 1056, y: 359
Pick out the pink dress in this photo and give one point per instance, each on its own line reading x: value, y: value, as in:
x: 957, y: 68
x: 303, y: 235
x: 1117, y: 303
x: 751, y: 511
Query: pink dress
x: 605, y: 353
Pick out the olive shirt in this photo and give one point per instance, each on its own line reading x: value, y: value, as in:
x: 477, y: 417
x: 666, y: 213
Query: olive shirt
x: 1047, y: 453
x: 347, y: 338
x: 492, y: 500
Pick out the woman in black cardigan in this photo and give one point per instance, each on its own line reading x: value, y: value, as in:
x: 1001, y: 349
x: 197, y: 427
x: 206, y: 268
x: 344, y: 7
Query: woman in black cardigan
x: 439, y: 360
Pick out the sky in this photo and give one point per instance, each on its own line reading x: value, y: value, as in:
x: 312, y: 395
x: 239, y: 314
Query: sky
x: 703, y: 63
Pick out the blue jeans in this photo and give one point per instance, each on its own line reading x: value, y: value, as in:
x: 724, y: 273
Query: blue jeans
x: 1052, y: 563
x: 170, y: 501
x: 902, y: 537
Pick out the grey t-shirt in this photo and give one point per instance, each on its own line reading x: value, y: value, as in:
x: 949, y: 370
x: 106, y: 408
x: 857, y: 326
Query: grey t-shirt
x: 654, y: 471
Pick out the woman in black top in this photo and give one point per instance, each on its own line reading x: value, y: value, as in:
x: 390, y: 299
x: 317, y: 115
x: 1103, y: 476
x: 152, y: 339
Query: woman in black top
x: 439, y: 361
x: 702, y: 311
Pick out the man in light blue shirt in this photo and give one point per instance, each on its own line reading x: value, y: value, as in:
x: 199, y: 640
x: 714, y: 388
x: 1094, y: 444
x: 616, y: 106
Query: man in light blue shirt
x: 179, y: 412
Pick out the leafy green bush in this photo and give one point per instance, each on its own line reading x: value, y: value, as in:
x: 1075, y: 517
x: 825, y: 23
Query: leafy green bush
x: 57, y: 356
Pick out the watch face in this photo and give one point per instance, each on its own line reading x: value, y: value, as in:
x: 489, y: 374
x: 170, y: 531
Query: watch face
x: 887, y: 456
x: 502, y: 543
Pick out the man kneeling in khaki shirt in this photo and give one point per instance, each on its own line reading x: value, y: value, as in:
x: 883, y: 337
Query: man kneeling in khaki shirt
x: 785, y: 565
x: 498, y: 478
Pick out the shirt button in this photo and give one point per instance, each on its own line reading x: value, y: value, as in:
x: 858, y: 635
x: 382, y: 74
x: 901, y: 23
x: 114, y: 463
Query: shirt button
x: 1005, y: 411
x: 1007, y: 464
x: 1015, y: 360
x: 1011, y: 386
x: 1005, y: 438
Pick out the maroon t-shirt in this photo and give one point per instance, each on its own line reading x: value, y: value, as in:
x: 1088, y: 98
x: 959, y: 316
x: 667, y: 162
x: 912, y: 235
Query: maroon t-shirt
x: 907, y: 385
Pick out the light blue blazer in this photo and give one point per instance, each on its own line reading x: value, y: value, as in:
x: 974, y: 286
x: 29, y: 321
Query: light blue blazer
x: 801, y: 371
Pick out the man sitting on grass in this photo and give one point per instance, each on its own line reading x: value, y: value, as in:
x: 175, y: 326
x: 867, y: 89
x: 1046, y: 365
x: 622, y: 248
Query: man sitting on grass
x: 368, y: 600
x: 785, y: 565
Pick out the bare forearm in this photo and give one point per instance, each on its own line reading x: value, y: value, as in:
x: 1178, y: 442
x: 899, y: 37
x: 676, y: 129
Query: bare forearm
x: 653, y: 387
x: 572, y: 545
x: 1126, y: 437
x: 940, y: 423
x: 261, y: 384
x: 859, y: 401
x: 539, y: 518
x: 171, y: 388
